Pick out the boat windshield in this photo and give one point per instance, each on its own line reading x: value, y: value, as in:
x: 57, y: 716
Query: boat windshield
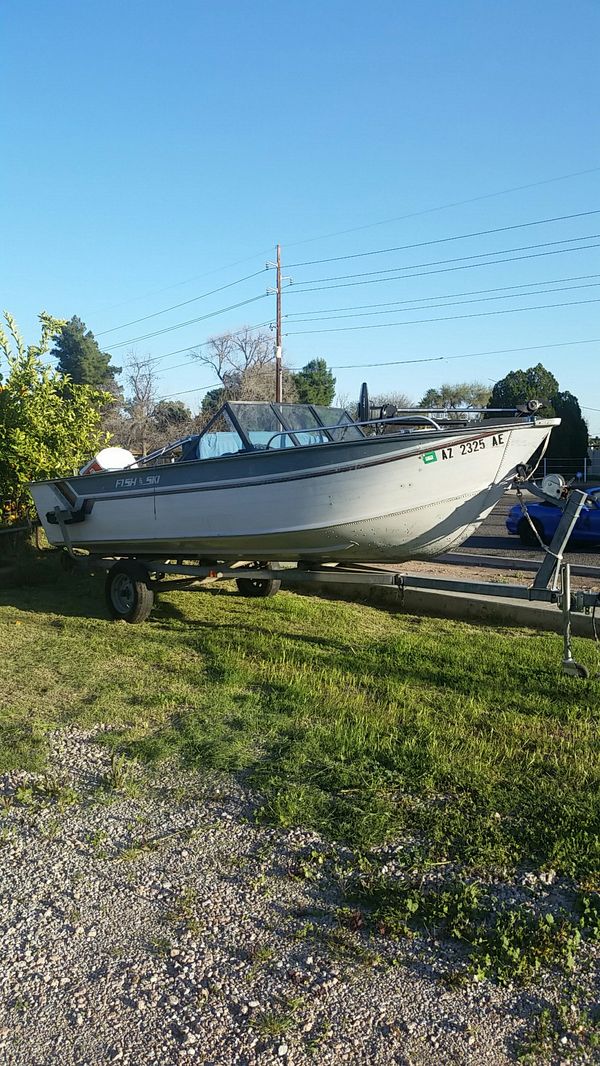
x: 285, y: 425
x: 261, y: 424
x: 221, y: 438
x: 345, y: 429
x: 242, y: 427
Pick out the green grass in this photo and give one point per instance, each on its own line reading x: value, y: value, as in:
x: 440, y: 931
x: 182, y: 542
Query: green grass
x: 466, y: 742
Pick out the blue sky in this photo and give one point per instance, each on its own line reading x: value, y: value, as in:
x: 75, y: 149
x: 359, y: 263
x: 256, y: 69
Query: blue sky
x: 155, y: 151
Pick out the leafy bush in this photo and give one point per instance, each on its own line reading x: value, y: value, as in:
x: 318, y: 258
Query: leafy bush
x: 48, y: 425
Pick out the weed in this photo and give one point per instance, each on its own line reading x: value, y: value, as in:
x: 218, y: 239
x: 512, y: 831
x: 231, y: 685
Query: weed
x: 311, y: 867
x: 278, y: 1022
x: 7, y: 835
x: 123, y: 776
x: 26, y: 795
x: 570, y: 1031
x: 509, y: 944
x: 184, y: 910
x: 261, y: 953
x: 136, y: 849
x: 398, y: 909
x: 343, y: 947
x: 160, y: 945
x: 45, y: 791
x: 50, y: 829
x: 517, y: 946
x: 52, y: 789
x: 589, y: 908
x: 97, y: 842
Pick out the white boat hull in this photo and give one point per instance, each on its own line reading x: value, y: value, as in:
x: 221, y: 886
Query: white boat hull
x: 410, y: 498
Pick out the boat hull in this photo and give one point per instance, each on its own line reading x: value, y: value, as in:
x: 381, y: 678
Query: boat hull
x: 382, y: 499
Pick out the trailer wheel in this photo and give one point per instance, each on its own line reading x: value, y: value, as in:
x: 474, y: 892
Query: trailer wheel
x: 258, y: 587
x: 573, y: 669
x: 128, y: 593
x: 526, y: 534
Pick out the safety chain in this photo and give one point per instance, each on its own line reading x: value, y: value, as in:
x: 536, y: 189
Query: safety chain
x: 545, y: 548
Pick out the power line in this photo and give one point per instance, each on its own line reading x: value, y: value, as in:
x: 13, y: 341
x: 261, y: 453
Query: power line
x: 187, y: 281
x: 445, y: 207
x: 431, y: 359
x: 455, y: 259
x: 446, y: 240
x: 186, y: 392
x: 451, y: 303
x: 403, y: 362
x: 426, y: 359
x: 358, y: 313
x: 200, y: 344
x: 356, y: 229
x: 445, y: 318
x: 468, y: 355
x: 190, y: 321
x: 183, y: 303
x: 447, y: 270
x: 260, y: 325
x: 507, y: 296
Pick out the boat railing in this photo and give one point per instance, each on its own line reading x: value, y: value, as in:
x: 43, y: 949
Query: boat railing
x: 159, y: 452
x: 412, y: 419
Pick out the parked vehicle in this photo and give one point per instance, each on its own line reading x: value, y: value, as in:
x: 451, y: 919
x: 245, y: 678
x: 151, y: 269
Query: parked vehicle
x: 545, y: 518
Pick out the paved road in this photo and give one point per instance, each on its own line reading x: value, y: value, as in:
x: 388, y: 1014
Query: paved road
x: 492, y: 539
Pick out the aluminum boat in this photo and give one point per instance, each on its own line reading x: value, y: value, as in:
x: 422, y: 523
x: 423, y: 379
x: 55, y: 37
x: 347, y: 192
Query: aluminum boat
x: 293, y: 482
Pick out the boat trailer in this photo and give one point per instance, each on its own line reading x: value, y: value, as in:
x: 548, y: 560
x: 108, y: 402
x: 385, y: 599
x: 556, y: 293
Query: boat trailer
x: 131, y: 583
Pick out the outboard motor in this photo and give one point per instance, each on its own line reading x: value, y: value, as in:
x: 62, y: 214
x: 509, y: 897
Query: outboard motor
x: 109, y: 459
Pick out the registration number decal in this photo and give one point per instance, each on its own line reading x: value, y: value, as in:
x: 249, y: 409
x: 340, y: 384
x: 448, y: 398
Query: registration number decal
x: 468, y: 447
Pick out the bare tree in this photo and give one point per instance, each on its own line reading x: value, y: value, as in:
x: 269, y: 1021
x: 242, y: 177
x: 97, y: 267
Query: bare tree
x: 380, y: 399
x: 138, y: 425
x: 244, y: 363
x: 398, y: 399
x: 347, y: 402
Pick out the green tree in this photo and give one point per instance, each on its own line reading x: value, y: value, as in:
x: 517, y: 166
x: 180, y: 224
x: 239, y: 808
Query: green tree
x: 315, y: 383
x: 48, y: 424
x: 570, y: 439
x: 457, y: 397
x: 79, y: 356
x: 171, y: 416
x: 537, y: 383
x: 211, y: 402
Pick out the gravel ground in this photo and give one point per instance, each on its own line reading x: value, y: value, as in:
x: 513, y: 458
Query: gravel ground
x: 170, y: 928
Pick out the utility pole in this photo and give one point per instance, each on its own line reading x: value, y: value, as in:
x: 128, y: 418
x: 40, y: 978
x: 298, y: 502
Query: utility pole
x: 278, y: 334
x: 278, y: 362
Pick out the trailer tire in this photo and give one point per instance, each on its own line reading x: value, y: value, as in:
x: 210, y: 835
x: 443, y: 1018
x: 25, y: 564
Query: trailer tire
x: 526, y: 534
x: 129, y: 596
x: 257, y: 587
